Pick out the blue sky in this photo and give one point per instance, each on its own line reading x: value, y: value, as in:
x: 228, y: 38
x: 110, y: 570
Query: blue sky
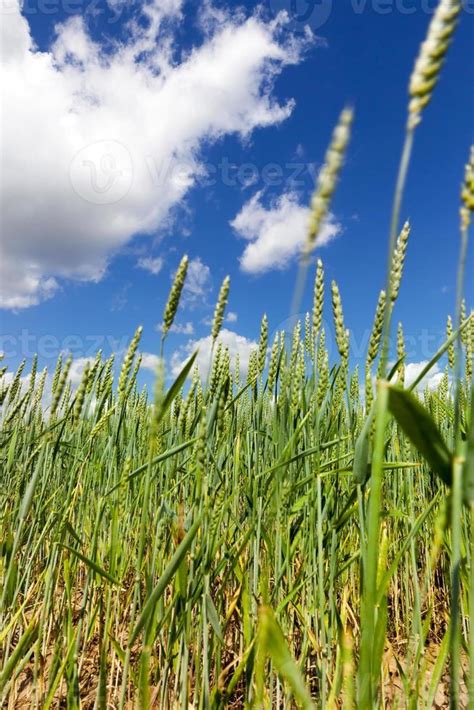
x: 217, y: 118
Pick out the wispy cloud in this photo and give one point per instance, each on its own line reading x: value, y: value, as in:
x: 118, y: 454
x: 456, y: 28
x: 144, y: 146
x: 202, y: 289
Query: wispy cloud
x: 179, y: 328
x: 151, y: 264
x: 198, y: 281
x: 431, y: 380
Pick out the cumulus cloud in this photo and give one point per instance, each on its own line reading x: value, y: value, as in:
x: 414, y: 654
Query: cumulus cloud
x: 150, y: 361
x: 431, y: 380
x: 151, y: 264
x: 235, y: 342
x: 276, y: 234
x: 90, y: 168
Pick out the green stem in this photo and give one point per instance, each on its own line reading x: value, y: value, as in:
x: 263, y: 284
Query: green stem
x: 299, y: 286
x: 457, y: 492
x: 455, y: 632
x: 399, y: 189
x: 367, y: 673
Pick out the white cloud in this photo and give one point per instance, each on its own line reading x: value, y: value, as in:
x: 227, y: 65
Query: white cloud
x: 235, y: 342
x: 276, y: 233
x: 431, y: 380
x: 92, y: 167
x: 151, y: 264
x: 231, y: 317
x: 198, y: 281
x: 150, y: 361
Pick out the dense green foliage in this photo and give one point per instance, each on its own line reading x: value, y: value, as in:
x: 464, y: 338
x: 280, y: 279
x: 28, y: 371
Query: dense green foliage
x: 152, y: 540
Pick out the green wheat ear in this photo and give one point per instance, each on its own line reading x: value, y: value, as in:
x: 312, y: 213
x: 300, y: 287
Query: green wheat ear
x: 342, y: 339
x: 327, y: 178
x: 16, y: 382
x: 263, y: 342
x: 174, y: 296
x: 318, y: 299
x: 376, y: 334
x: 57, y: 372
x: 33, y: 373
x: 323, y: 370
x: 307, y: 333
x: 127, y: 363
x: 325, y: 186
x: 273, y: 364
x: 81, y: 393
x: 220, y: 308
x: 451, y: 349
x: 430, y: 59
x: 401, y: 355
x: 467, y: 194
x: 60, y: 385
x: 398, y: 262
